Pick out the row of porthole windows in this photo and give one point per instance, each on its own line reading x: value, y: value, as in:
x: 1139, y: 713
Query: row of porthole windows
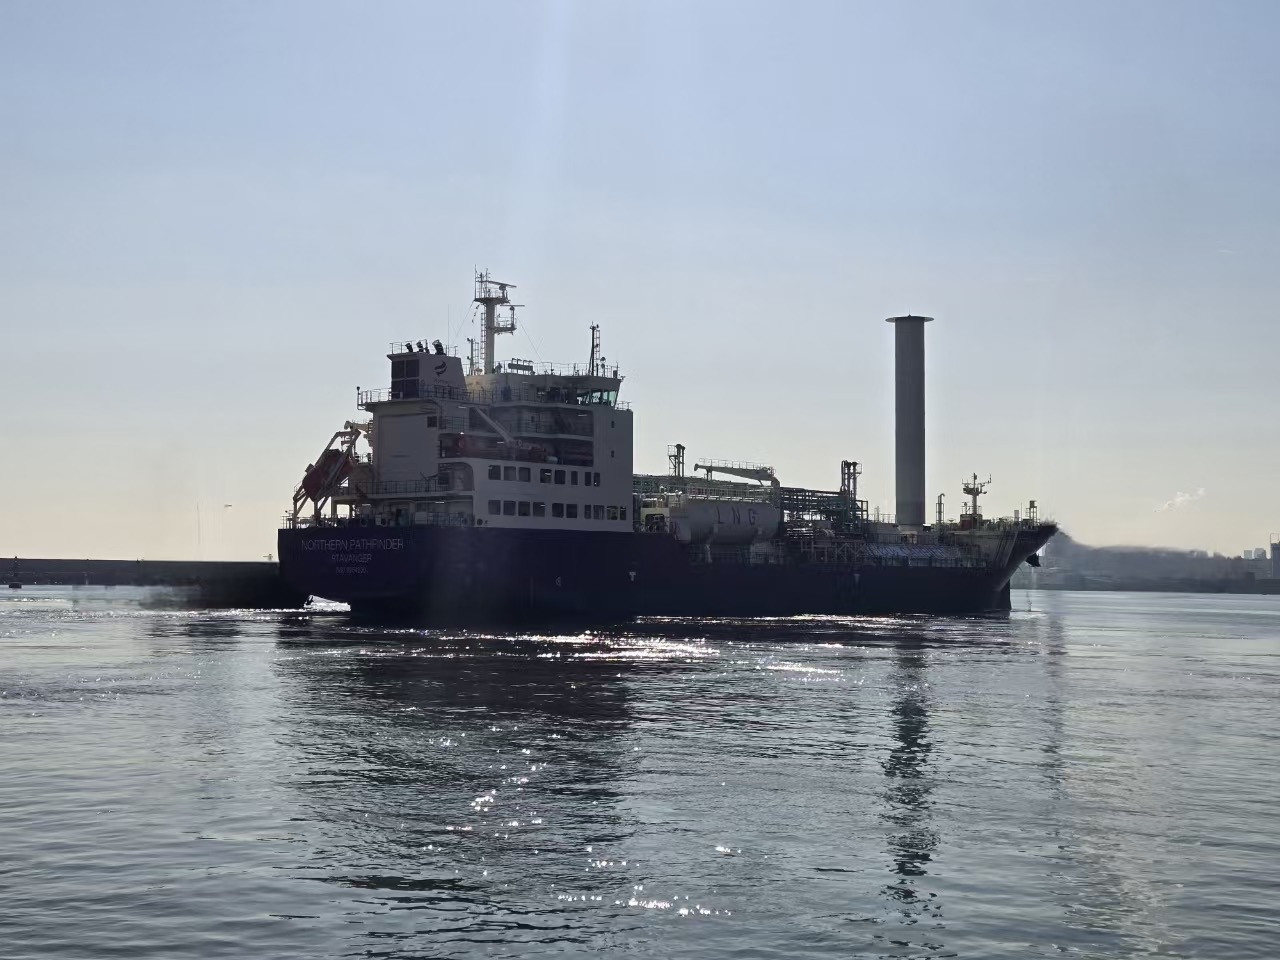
x: 545, y: 475
x: 567, y: 511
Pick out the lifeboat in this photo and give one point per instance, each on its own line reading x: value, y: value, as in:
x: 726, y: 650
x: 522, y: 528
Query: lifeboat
x: 327, y: 472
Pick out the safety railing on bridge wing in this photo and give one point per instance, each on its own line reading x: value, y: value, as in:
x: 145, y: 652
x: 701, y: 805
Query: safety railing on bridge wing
x: 434, y: 391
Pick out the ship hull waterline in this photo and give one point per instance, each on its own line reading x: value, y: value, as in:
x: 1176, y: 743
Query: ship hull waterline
x: 476, y: 576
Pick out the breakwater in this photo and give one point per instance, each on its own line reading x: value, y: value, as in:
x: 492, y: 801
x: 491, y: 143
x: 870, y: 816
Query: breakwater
x: 209, y: 583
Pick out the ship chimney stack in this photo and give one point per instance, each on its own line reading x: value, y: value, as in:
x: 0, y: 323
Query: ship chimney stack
x: 908, y: 411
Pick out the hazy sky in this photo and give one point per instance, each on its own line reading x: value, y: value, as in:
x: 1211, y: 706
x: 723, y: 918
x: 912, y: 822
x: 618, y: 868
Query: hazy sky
x: 214, y: 216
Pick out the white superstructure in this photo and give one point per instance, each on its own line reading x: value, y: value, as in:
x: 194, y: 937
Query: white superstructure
x: 520, y: 445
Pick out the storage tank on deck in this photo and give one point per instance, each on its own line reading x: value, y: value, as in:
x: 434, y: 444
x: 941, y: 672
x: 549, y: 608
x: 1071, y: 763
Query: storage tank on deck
x: 722, y: 521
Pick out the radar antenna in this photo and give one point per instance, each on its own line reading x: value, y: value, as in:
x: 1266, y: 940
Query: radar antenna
x: 493, y: 294
x: 974, y: 488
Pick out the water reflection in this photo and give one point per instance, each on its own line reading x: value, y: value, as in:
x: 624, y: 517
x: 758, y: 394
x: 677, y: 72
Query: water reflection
x: 449, y: 770
x: 909, y: 784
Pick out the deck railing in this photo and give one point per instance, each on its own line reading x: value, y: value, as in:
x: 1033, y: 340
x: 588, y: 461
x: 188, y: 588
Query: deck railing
x: 430, y: 519
x: 434, y: 391
x: 425, y: 485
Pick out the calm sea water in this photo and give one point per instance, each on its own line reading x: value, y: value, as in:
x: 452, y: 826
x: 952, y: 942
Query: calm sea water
x: 1095, y: 775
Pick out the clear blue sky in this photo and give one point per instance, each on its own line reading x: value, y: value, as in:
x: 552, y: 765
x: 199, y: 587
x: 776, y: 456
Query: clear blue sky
x: 214, y: 216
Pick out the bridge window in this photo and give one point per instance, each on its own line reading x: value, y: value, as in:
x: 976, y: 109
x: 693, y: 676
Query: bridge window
x: 508, y: 473
x: 523, y: 506
x: 557, y: 510
x: 495, y: 507
x: 404, y: 369
x: 544, y: 475
x: 539, y: 508
x: 508, y: 508
x: 560, y: 477
x: 404, y: 378
x: 495, y: 472
x: 524, y: 474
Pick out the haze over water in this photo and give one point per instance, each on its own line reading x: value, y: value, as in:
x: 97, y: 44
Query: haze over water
x: 1093, y: 775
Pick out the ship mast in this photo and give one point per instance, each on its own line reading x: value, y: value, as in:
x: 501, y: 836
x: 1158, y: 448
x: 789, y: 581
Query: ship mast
x: 493, y: 294
x: 974, y: 489
x: 594, y: 363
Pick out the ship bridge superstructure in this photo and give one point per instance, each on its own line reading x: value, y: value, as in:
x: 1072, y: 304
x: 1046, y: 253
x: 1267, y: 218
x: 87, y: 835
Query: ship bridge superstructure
x: 497, y: 444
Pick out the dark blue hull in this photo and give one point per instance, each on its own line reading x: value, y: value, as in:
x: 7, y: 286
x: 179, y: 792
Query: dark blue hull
x: 485, y: 575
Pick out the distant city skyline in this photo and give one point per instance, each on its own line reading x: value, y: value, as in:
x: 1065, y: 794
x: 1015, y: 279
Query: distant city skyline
x: 217, y: 216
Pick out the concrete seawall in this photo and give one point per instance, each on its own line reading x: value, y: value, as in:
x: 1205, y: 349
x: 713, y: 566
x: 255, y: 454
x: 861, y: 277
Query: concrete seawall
x: 208, y: 583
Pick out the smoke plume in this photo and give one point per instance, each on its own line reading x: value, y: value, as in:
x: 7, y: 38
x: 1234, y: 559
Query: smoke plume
x: 1180, y: 499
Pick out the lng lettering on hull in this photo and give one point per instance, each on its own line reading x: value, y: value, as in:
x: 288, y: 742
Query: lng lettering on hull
x: 506, y: 490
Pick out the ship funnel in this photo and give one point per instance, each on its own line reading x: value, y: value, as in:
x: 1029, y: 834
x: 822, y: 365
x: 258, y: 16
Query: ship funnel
x: 908, y: 410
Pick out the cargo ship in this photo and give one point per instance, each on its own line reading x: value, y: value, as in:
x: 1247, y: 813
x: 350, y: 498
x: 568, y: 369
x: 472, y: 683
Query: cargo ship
x: 505, y: 492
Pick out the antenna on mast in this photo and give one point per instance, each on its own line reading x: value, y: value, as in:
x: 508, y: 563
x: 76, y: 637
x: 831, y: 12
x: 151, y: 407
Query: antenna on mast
x: 594, y: 362
x: 975, y: 488
x: 493, y: 294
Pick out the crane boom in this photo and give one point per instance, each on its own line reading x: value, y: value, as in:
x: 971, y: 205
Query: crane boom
x: 759, y: 474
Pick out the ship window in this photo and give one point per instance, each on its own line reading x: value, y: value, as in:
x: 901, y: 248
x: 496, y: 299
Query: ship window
x: 560, y: 476
x: 599, y: 511
x: 595, y: 479
x: 613, y: 513
x: 495, y: 507
x: 508, y: 473
x: 544, y: 475
x: 622, y: 513
x: 557, y: 510
x: 523, y: 508
x: 571, y: 511
x: 495, y: 472
x: 539, y: 508
x: 508, y: 508
x: 433, y: 422
x: 405, y: 389
x: 524, y: 474
x: 573, y: 478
